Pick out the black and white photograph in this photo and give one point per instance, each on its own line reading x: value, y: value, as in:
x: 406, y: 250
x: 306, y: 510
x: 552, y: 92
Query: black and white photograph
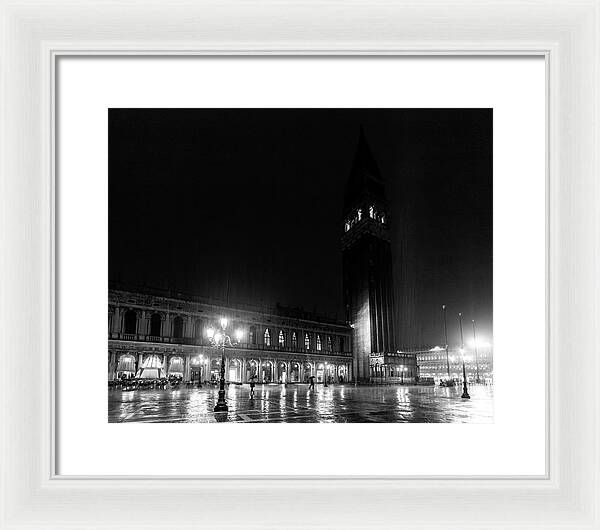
x: 300, y: 265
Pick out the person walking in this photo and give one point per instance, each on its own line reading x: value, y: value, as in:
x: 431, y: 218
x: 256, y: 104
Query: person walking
x: 311, y: 382
x: 252, y: 385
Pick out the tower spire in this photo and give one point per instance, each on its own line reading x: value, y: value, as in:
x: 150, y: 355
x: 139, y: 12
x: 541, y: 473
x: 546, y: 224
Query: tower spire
x: 365, y: 180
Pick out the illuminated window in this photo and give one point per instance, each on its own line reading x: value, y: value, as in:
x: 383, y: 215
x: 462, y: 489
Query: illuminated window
x: 281, y: 338
x: 294, y: 340
x: 318, y: 342
x: 371, y: 211
x: 329, y: 344
x: 383, y: 219
x: 267, y: 337
x: 359, y: 214
x: 307, y: 341
x: 347, y: 227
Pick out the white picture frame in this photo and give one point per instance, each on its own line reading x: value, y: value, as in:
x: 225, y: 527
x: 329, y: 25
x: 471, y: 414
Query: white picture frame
x: 567, y: 34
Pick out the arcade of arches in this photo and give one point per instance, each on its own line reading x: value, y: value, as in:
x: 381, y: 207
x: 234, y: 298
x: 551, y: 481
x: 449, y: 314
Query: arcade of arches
x: 238, y: 369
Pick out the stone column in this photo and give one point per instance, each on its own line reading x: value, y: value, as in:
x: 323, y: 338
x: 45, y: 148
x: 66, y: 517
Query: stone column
x: 116, y: 320
x: 143, y: 325
x: 189, y: 328
x: 111, y: 365
x: 139, y: 363
x: 244, y: 374
x: 186, y: 369
x: 166, y: 328
x: 226, y: 366
x: 165, y: 366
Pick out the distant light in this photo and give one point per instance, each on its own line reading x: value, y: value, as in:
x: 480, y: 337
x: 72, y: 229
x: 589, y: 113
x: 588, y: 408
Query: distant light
x: 210, y: 333
x: 218, y: 337
x: 462, y: 351
x: 239, y: 335
x: 224, y: 323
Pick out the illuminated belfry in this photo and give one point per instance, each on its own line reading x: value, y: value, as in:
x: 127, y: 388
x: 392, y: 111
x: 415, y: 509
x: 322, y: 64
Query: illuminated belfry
x: 367, y: 261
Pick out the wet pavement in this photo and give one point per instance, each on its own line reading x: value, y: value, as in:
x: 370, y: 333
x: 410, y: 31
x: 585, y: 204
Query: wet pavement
x: 297, y: 404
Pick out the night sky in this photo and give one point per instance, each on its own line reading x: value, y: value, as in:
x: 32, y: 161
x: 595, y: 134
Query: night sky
x: 245, y: 205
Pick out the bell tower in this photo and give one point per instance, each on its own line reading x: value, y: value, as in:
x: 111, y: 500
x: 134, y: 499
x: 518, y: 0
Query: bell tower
x: 367, y: 261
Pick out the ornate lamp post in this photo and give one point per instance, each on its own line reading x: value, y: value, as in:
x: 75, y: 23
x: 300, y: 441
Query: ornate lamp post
x: 477, y: 380
x: 220, y: 339
x: 446, y: 342
x: 465, y: 393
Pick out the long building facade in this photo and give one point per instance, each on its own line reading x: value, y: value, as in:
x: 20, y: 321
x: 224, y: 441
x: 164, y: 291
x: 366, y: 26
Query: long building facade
x: 479, y: 364
x: 155, y: 335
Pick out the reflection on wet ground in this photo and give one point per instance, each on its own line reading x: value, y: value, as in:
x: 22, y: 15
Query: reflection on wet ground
x: 298, y: 404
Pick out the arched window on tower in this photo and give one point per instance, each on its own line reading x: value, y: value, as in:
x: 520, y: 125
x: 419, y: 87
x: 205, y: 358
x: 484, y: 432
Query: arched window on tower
x: 281, y: 339
x: 178, y: 327
x: 294, y: 340
x: 359, y: 214
x: 372, y: 212
x: 329, y: 343
x: 346, y: 226
x: 318, y: 342
x: 130, y: 322
x: 307, y: 341
x: 155, y: 325
x: 267, y: 337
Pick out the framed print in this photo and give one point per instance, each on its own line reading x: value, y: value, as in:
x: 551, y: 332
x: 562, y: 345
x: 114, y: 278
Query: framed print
x: 262, y: 261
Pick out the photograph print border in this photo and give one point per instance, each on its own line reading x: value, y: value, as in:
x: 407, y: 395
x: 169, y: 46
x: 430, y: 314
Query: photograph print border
x: 569, y: 497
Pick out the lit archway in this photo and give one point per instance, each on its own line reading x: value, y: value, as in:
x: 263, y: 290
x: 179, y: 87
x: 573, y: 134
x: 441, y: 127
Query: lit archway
x: 294, y: 372
x: 266, y: 375
x: 126, y: 366
x: 252, y: 369
x: 235, y: 371
x: 176, y: 368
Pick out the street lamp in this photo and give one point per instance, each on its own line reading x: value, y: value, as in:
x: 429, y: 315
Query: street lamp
x: 220, y: 339
x: 465, y: 393
x: 476, y: 355
x: 446, y: 342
